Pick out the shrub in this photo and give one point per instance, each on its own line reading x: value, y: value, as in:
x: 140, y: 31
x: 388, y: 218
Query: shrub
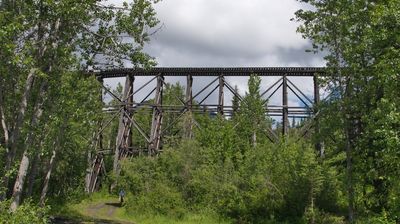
x: 160, y: 200
x: 27, y: 213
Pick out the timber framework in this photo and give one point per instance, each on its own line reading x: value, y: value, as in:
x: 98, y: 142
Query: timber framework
x: 193, y: 102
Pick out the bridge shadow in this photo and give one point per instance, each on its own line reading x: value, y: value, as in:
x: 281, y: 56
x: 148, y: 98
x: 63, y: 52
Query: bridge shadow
x: 62, y: 220
x: 114, y: 204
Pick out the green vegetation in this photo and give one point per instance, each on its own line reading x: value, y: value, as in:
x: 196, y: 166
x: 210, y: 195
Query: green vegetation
x: 26, y: 214
x: 105, y: 207
x: 226, y: 171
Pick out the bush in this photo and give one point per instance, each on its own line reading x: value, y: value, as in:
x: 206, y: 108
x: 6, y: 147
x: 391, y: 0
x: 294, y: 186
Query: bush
x: 319, y: 217
x: 161, y: 200
x: 27, y: 213
x: 151, y: 186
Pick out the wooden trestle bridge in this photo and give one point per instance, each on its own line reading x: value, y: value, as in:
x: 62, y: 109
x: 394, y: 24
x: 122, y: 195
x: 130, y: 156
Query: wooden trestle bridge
x: 194, y: 104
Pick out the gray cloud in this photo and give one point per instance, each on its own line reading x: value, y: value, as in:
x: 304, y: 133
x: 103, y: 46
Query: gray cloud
x: 230, y: 33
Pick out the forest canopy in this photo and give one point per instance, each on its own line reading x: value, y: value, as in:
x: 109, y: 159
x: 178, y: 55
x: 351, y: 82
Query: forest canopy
x: 345, y: 170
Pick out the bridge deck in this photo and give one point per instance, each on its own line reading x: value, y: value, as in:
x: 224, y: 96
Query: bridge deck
x: 211, y: 71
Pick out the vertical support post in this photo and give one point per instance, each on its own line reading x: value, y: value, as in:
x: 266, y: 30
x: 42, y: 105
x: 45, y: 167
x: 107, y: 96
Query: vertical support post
x: 124, y: 137
x: 129, y: 104
x: 189, y: 97
x: 91, y: 174
x: 155, y: 134
x: 318, y: 145
x: 189, y: 102
x: 100, y: 135
x: 220, y: 108
x: 285, y: 111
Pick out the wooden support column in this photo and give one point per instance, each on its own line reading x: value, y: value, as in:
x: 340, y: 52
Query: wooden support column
x: 129, y: 104
x: 221, y: 95
x: 97, y: 143
x: 189, y: 97
x: 124, y: 137
x: 155, y: 134
x: 318, y: 145
x: 285, y: 111
x: 100, y: 134
x: 188, y: 132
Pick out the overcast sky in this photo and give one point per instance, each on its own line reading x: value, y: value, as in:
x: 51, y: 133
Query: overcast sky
x: 230, y: 33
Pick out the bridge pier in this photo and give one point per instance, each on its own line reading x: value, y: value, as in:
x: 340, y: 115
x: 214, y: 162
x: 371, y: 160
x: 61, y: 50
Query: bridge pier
x: 189, y: 104
x: 155, y: 133
x: 285, y: 110
x: 124, y: 136
x: 221, y: 95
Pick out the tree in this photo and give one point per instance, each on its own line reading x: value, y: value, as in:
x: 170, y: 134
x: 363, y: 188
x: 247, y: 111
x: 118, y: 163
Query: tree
x: 360, y: 39
x: 46, y: 40
x: 235, y: 102
x: 251, y: 114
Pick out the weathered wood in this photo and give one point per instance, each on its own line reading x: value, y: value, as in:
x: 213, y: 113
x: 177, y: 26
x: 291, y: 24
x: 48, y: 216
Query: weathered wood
x: 188, y: 132
x: 98, y: 165
x: 155, y: 132
x: 204, y: 71
x: 221, y: 95
x: 124, y: 133
x: 189, y: 96
x: 285, y: 118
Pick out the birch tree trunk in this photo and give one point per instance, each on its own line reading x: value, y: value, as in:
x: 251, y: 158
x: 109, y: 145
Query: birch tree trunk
x: 24, y: 165
x: 38, y: 111
x: 47, y: 178
x: 254, y: 139
x: 12, y: 144
x: 349, y: 134
x: 6, y: 142
x: 32, y: 174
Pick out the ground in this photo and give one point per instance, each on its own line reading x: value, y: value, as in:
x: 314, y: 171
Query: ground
x: 106, y: 209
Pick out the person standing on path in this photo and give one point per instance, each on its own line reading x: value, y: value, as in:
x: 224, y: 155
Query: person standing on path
x: 121, y: 196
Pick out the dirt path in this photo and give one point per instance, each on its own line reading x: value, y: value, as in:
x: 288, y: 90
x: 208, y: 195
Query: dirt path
x: 96, y: 214
x: 103, y: 209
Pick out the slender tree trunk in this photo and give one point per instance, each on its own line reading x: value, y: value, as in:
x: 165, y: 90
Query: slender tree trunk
x: 254, y: 139
x: 3, y: 119
x: 349, y: 171
x: 12, y: 149
x: 47, y: 178
x: 6, y: 143
x: 24, y: 165
x: 349, y: 134
x: 32, y: 174
x: 89, y: 169
x: 312, y: 221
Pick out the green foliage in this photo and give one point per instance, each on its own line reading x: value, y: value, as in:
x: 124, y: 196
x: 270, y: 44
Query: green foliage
x: 48, y: 105
x: 360, y: 40
x: 317, y: 216
x: 270, y: 182
x: 28, y: 213
x: 223, y: 171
